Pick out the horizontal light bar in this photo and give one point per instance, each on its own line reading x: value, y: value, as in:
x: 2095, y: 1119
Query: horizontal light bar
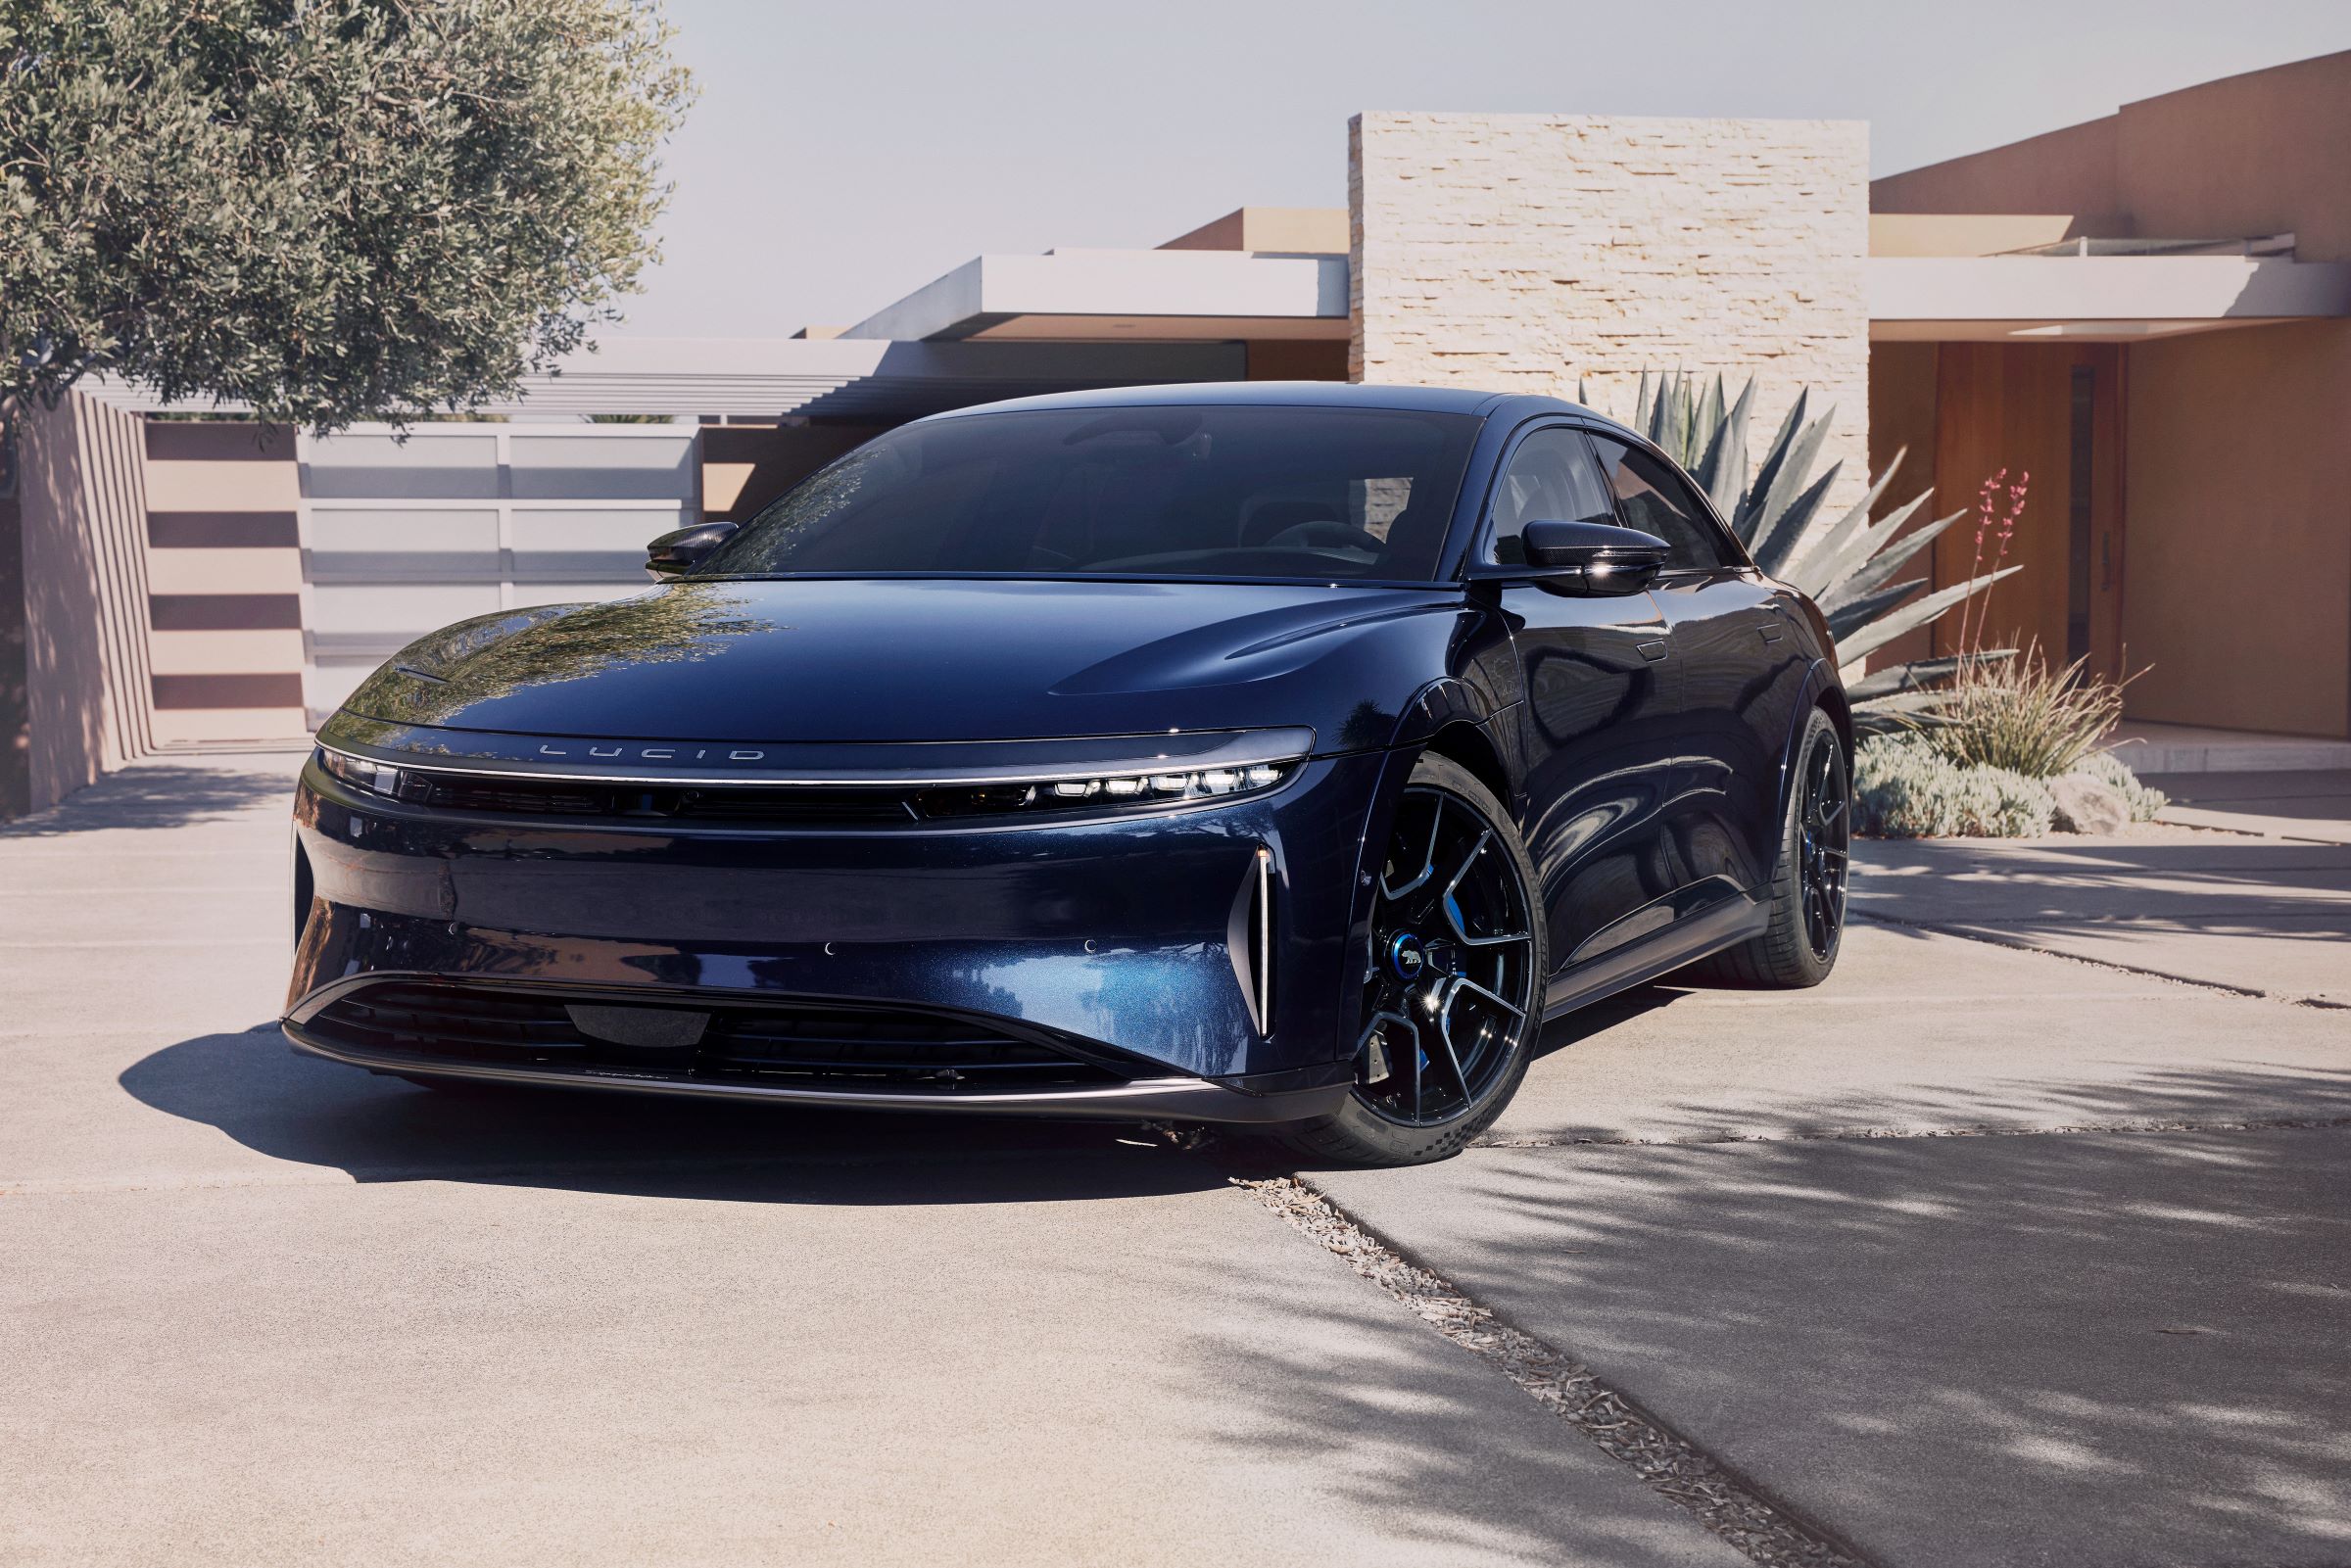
x: 1012, y: 797
x: 1063, y: 794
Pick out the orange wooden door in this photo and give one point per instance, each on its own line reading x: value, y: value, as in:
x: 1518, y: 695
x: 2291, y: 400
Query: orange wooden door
x: 2051, y: 416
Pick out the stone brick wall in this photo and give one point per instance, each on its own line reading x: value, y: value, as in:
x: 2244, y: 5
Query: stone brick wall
x: 1521, y: 251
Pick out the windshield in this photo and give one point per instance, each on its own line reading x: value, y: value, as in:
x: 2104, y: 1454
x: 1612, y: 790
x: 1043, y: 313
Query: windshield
x: 1148, y: 491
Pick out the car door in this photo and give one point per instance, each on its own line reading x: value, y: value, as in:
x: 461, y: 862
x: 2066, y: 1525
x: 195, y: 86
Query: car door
x: 1596, y: 722
x: 1739, y: 671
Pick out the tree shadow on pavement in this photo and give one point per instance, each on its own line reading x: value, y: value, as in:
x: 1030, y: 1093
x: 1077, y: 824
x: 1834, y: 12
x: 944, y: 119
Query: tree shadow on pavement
x: 156, y: 794
x: 2087, y: 1347
x: 2043, y: 888
x: 294, y: 1108
x: 1458, y: 1465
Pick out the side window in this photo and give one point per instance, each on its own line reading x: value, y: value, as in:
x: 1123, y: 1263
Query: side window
x: 1552, y: 474
x: 1655, y: 499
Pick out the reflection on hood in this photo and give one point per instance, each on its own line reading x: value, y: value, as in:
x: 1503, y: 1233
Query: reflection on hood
x: 849, y: 660
x: 682, y: 624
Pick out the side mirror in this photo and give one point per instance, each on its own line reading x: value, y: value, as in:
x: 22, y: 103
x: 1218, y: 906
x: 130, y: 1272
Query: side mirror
x: 683, y: 549
x: 1593, y: 558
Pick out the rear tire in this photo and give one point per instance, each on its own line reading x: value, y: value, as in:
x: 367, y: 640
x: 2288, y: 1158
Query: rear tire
x: 1470, y: 925
x: 1799, y: 947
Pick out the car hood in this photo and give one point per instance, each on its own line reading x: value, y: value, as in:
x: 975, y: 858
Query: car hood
x: 931, y: 659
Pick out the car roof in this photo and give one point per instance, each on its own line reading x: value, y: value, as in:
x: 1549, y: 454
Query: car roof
x: 1272, y: 394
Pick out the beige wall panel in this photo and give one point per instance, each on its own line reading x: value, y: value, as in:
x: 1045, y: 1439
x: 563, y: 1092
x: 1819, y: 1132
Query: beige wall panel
x: 2239, y: 571
x: 1519, y: 253
x: 224, y: 653
x: 223, y: 487
x: 224, y: 571
x: 195, y: 727
x: 722, y: 483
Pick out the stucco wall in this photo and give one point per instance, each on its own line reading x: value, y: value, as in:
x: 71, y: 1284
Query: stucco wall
x: 2257, y: 154
x: 1522, y: 251
x: 84, y: 512
x: 2239, y: 558
x: 2070, y: 171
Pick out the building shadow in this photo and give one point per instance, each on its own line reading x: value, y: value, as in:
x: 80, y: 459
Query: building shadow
x: 2297, y: 892
x: 258, y: 1092
x: 164, y: 794
x: 2302, y: 794
x: 2085, y: 1348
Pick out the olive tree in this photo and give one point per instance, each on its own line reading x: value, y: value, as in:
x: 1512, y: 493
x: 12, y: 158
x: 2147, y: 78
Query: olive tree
x: 327, y: 210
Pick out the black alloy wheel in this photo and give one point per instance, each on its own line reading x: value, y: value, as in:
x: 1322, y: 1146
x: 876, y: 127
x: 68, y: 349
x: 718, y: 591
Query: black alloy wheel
x: 1452, y: 978
x: 1804, y: 902
x: 1824, y: 842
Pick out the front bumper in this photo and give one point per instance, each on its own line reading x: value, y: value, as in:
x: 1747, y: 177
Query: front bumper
x: 1170, y: 1099
x: 1114, y: 935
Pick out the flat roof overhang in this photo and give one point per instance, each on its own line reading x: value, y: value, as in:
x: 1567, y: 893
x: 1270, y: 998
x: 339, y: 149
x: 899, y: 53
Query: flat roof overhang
x: 1124, y: 295
x: 2112, y: 298
x: 835, y: 378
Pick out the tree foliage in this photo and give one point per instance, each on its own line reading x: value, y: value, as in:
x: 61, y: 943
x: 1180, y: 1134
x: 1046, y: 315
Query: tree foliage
x: 329, y: 209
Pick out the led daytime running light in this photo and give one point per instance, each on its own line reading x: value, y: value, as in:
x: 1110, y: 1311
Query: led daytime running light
x: 1142, y: 790
x: 1010, y: 798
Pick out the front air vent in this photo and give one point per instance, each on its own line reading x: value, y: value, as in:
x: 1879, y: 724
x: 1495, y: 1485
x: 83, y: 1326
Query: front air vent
x: 1249, y: 939
x: 835, y: 1046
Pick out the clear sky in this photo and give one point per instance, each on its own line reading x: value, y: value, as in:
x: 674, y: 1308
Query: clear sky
x: 844, y: 153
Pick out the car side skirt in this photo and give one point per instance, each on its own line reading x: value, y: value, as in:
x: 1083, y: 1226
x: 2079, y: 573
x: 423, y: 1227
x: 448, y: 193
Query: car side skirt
x: 1723, y: 924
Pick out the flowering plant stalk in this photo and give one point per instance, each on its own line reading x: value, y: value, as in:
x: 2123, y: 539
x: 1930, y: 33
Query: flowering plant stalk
x: 2000, y: 526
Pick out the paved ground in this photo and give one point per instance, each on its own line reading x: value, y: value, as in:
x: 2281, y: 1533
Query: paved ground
x: 2248, y: 907
x: 261, y: 1309
x: 2307, y: 805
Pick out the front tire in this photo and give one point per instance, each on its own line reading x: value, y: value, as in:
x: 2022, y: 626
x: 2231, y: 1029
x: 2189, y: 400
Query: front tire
x: 1453, y: 981
x: 1798, y: 948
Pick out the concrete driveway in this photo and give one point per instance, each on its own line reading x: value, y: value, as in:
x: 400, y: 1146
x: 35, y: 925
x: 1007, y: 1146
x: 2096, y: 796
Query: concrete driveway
x: 261, y: 1309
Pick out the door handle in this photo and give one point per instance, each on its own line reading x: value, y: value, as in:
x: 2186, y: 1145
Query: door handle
x: 1771, y: 629
x: 1652, y: 651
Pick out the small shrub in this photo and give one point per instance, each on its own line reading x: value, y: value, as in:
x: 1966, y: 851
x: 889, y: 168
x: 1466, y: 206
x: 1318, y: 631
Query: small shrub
x: 1906, y: 788
x: 2114, y: 772
x: 2021, y: 715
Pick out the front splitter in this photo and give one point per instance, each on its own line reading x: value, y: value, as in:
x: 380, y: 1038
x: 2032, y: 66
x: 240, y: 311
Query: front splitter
x: 1172, y: 1098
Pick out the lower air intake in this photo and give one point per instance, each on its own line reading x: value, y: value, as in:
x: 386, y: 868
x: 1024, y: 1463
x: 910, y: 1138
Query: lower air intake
x: 814, y: 1045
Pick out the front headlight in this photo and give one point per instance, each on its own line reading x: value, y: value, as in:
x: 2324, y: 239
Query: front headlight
x: 376, y: 778
x: 1093, y: 795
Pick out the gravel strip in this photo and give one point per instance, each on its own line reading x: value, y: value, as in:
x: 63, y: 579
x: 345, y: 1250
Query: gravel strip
x: 1669, y: 1464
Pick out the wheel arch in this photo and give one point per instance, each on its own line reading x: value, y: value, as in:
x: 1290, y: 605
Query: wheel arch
x: 1457, y: 719
x: 1831, y: 696
x: 1467, y: 744
x: 1823, y: 692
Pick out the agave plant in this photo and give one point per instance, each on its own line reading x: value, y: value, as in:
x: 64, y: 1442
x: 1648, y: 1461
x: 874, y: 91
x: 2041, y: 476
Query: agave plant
x: 1848, y: 565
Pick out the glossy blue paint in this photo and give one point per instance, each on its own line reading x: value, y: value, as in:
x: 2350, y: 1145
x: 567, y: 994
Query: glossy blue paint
x: 1638, y: 740
x: 913, y: 660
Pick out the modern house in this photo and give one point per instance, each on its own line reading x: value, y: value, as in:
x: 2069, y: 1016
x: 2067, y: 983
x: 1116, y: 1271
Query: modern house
x: 2150, y: 312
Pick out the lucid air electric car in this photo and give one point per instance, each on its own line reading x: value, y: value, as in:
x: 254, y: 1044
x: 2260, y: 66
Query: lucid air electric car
x: 1275, y: 755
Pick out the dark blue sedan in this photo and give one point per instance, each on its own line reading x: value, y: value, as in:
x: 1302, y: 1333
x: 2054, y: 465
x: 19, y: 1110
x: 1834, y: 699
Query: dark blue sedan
x: 1278, y: 755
